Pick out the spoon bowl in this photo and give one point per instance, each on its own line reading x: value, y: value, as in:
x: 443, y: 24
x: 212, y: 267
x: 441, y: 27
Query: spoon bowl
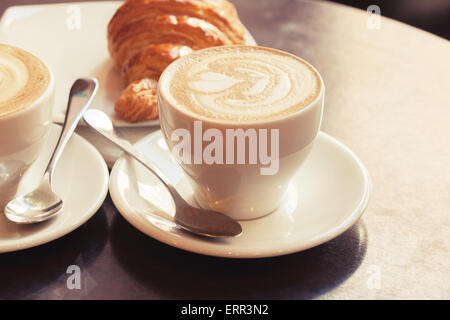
x: 38, y: 205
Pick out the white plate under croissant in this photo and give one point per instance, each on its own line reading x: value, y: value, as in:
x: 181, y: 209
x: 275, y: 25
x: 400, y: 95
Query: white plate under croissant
x: 72, y: 39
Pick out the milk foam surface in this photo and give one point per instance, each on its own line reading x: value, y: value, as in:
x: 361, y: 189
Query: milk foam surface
x: 23, y: 79
x: 241, y: 83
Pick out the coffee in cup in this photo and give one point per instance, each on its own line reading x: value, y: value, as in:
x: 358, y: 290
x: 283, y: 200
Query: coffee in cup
x: 242, y: 85
x: 26, y: 107
x: 23, y: 79
x: 240, y: 120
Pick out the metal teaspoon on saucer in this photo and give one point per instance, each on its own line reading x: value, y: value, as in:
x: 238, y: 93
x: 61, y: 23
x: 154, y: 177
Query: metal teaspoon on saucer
x: 196, y: 220
x: 42, y: 203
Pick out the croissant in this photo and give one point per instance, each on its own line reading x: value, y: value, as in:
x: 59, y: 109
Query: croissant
x: 145, y: 36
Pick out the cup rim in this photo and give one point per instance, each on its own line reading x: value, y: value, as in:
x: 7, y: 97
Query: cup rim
x: 193, y: 115
x: 46, y: 93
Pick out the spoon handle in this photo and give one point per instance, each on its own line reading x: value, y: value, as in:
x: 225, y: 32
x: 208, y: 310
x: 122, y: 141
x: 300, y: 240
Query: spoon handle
x: 80, y: 97
x: 116, y: 137
x: 129, y: 149
x: 101, y: 123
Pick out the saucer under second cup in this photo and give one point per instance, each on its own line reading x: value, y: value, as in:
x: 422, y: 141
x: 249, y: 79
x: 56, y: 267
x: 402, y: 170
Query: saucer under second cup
x: 327, y: 196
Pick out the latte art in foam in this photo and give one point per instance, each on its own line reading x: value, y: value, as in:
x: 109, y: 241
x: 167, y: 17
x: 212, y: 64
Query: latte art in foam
x: 242, y: 84
x: 13, y: 76
x: 23, y: 78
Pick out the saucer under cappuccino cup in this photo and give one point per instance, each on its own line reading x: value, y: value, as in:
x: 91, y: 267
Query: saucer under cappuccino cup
x: 26, y: 108
x: 240, y: 121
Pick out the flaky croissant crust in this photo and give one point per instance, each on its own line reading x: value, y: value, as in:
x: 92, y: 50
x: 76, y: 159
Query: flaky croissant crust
x: 194, y: 23
x: 138, y: 101
x: 182, y: 30
x: 151, y: 61
x: 219, y: 13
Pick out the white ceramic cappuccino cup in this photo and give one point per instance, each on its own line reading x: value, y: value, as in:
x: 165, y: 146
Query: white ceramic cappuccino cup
x: 22, y: 136
x: 241, y: 191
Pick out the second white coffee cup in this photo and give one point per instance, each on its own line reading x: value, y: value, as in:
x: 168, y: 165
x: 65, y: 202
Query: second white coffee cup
x: 22, y: 137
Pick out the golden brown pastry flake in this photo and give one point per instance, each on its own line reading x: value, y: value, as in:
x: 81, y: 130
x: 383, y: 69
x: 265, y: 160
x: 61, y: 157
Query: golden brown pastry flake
x: 138, y: 101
